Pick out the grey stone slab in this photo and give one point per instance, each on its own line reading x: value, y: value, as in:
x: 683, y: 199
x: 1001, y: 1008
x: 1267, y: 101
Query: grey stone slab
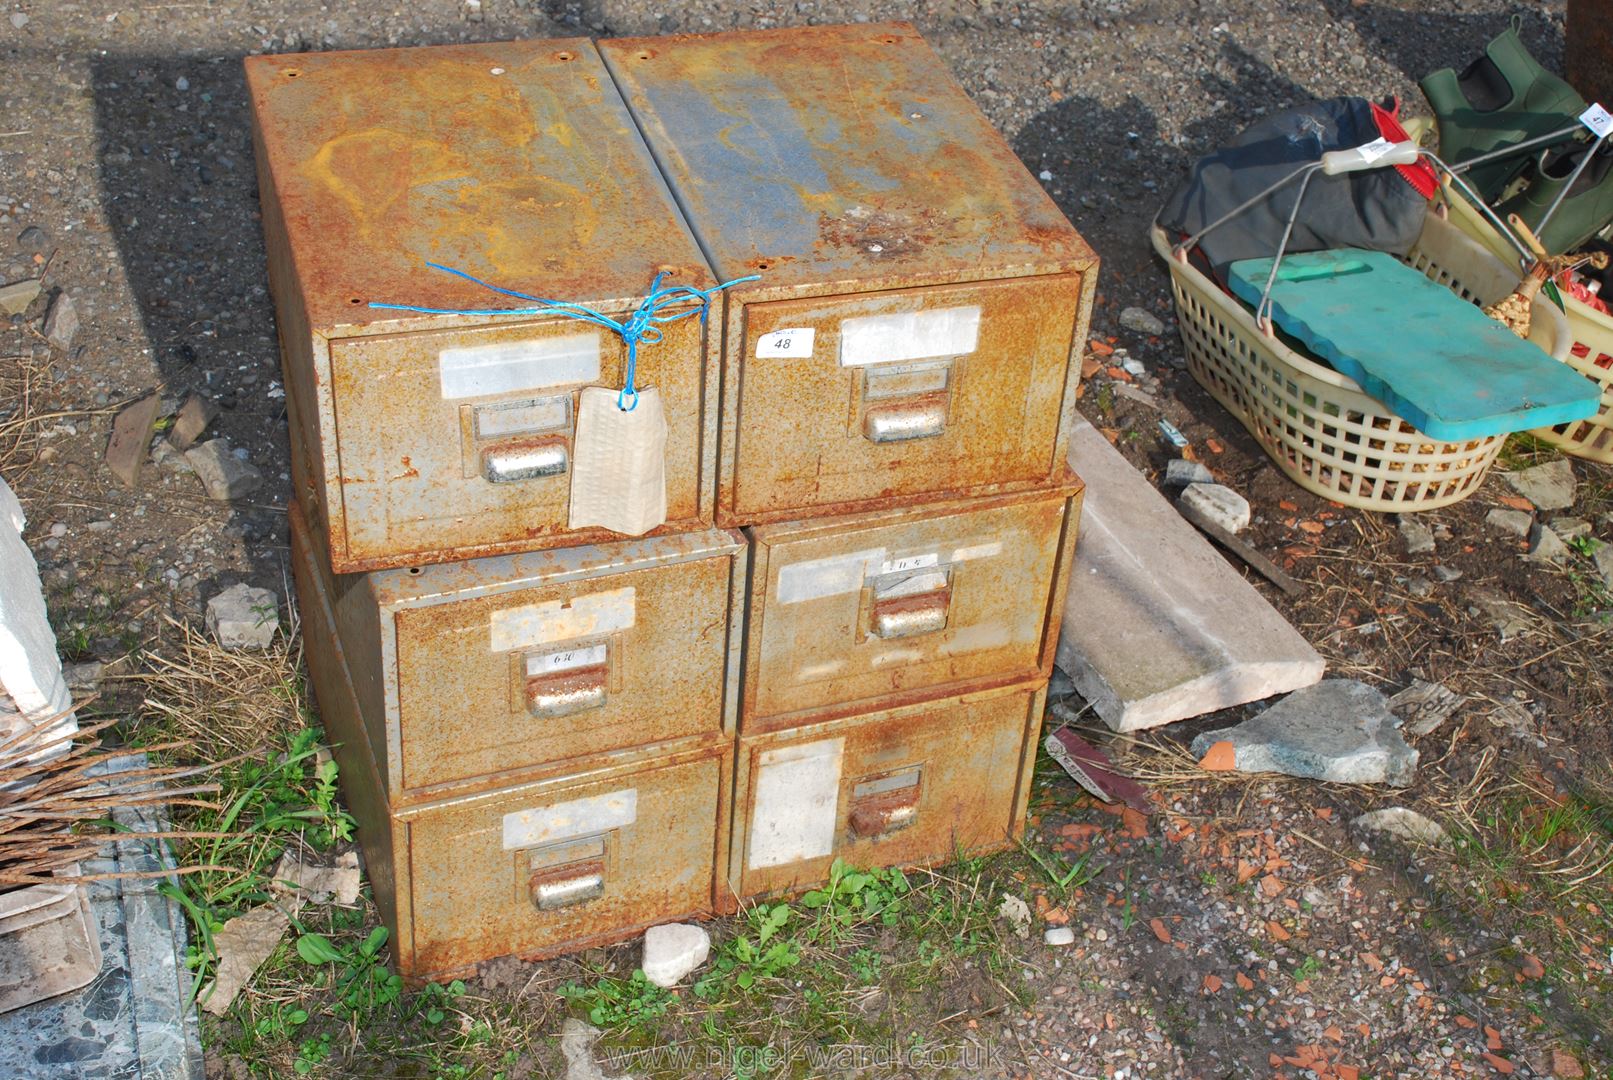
x: 1339, y: 730
x: 1158, y: 626
x: 244, y: 617
x: 61, y: 322
x: 1548, y: 487
x: 1545, y: 546
x: 133, y: 1021
x: 1403, y: 823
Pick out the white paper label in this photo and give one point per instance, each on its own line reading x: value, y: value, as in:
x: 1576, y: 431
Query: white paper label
x: 1375, y: 149
x: 479, y: 370
x: 565, y: 660
x: 1598, y: 119
x: 550, y: 622
x: 795, y: 341
x: 795, y: 803
x: 978, y: 551
x: 910, y: 562
x: 618, y: 471
x: 562, y: 821
x: 814, y: 579
x: 909, y: 335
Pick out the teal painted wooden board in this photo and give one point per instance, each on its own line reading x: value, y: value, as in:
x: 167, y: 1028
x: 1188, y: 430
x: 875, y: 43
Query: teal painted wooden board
x: 1436, y: 360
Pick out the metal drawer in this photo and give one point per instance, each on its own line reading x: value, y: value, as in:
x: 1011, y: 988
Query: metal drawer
x: 909, y: 786
x: 433, y: 438
x: 904, y: 395
x: 855, y: 613
x: 474, y: 671
x: 920, y: 296
x: 424, y: 455
x: 590, y: 854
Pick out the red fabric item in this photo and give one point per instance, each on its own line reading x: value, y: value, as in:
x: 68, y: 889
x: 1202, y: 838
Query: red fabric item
x: 1420, y: 176
x: 1585, y: 296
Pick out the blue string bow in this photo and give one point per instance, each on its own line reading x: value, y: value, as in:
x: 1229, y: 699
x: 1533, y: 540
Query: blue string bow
x: 643, y: 323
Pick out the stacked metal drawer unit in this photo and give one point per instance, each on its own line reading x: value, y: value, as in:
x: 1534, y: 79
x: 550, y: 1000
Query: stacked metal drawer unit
x: 555, y: 737
x: 897, y: 393
x: 534, y: 724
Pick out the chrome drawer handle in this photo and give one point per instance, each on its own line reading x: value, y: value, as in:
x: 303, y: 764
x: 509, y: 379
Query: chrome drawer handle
x: 917, y: 418
x: 525, y: 459
x: 909, y: 616
x: 567, y: 886
x: 566, y: 692
x: 885, y: 813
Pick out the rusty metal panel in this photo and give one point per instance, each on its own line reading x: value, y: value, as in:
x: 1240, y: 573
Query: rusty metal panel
x: 920, y: 297
x: 904, y: 787
x: 478, y: 671
x: 589, y: 853
x: 513, y: 161
x: 855, y: 613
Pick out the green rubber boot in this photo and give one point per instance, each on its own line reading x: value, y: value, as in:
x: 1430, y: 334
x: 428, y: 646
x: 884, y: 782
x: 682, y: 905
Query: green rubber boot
x: 1585, y: 211
x: 1501, y: 99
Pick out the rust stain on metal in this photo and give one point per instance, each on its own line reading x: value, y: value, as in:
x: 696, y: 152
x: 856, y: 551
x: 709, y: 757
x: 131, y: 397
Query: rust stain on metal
x: 902, y: 606
x: 915, y: 786
x: 847, y: 167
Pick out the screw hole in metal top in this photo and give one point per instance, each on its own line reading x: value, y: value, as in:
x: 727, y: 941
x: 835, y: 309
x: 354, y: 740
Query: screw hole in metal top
x: 355, y: 299
x: 761, y: 266
x: 292, y: 73
x: 414, y: 570
x: 565, y: 54
x: 645, y: 54
x: 888, y: 40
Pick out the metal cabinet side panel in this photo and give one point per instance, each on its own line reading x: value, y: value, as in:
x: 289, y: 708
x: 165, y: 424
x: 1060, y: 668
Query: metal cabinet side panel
x: 811, y: 658
x: 971, y: 753
x: 381, y: 838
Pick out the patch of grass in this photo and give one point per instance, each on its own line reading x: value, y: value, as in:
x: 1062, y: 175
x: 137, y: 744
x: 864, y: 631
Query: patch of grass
x: 1523, y: 450
x: 1065, y: 878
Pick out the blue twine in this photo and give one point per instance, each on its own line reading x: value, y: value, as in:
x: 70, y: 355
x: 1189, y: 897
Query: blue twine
x: 643, y: 323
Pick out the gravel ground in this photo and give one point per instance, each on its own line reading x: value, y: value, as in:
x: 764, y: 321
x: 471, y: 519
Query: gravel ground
x: 1245, y: 930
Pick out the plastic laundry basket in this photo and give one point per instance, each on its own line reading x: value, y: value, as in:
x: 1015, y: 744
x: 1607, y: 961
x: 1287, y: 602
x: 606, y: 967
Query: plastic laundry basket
x: 1590, y: 350
x: 1326, y: 433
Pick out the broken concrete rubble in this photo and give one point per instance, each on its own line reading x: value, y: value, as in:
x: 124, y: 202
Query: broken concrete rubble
x: 1423, y: 706
x: 1179, y: 472
x: 1418, y: 537
x: 61, y: 322
x: 1404, y: 823
x: 224, y: 475
x: 244, y: 617
x: 673, y: 951
x: 1514, y: 522
x: 1141, y: 321
x: 1158, y: 626
x: 131, y: 436
x: 1547, y: 487
x: 1545, y: 546
x: 1339, y: 730
x: 1215, y: 503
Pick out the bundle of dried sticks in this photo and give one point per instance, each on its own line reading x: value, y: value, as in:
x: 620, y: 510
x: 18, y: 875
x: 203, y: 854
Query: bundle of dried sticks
x: 55, y: 806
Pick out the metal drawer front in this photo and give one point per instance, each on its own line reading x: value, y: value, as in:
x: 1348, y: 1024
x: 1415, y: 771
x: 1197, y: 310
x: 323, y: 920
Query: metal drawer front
x: 902, y: 787
x: 901, y: 395
x: 500, y: 680
x: 869, y: 611
x: 485, y: 459
x: 535, y: 869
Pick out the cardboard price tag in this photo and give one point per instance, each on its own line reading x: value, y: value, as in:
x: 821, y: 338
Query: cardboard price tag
x: 618, y: 478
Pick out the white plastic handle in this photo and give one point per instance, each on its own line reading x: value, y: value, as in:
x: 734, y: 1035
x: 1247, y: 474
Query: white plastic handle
x: 1373, y: 155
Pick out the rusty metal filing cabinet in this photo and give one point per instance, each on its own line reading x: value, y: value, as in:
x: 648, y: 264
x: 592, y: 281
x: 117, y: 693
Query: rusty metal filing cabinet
x: 850, y: 614
x: 420, y: 438
x: 469, y: 673
x: 559, y: 860
x: 908, y: 786
x: 921, y: 297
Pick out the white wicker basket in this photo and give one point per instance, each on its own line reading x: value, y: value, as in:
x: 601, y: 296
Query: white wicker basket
x: 1319, y: 426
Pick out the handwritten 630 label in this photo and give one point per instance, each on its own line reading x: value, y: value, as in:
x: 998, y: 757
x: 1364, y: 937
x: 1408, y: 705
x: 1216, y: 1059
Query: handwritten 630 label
x: 793, y: 342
